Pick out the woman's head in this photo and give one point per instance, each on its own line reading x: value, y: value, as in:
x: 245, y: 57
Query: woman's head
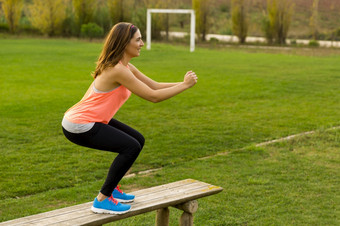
x: 116, y: 44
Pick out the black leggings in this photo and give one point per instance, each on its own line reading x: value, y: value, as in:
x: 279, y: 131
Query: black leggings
x: 114, y: 137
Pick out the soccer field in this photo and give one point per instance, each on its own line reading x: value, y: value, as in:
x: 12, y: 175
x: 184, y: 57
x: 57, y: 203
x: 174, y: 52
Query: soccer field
x: 243, y: 97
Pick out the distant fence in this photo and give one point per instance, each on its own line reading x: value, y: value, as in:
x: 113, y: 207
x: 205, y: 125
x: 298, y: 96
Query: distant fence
x: 234, y: 39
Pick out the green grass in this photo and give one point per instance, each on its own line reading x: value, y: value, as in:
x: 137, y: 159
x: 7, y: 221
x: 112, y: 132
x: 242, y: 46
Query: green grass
x: 288, y: 183
x: 242, y: 98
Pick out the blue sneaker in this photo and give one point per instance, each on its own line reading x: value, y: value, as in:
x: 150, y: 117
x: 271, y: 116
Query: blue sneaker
x: 121, y: 196
x: 109, y: 205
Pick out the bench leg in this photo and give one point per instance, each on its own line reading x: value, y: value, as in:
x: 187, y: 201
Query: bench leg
x: 162, y: 217
x: 189, y: 208
x: 187, y: 219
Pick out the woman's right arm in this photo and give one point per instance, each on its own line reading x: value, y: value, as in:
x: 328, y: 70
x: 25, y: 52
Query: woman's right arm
x: 148, y: 81
x: 127, y: 79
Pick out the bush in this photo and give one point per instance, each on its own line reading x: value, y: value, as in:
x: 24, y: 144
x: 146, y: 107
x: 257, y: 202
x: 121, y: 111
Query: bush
x: 314, y: 43
x: 214, y: 41
x: 227, y: 31
x: 337, y: 32
x: 91, y: 30
x: 4, y: 27
x: 293, y: 42
x: 28, y: 29
x: 335, y: 35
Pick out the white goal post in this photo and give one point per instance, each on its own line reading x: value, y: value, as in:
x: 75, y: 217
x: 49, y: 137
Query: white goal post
x: 182, y: 11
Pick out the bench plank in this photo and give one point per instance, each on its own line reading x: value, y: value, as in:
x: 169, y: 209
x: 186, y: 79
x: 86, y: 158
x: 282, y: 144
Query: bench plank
x: 147, y: 200
x: 147, y: 196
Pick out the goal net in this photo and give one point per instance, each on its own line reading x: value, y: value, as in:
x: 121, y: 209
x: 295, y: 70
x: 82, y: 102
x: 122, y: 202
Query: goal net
x: 179, y: 11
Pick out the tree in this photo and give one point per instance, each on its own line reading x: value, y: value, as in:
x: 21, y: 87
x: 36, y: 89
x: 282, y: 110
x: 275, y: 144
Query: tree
x: 158, y: 19
x: 279, y: 18
x: 166, y: 21
x: 12, y: 10
x: 48, y: 15
x: 84, y: 11
x: 239, y: 19
x: 119, y: 10
x: 201, y: 8
x: 313, y: 22
x: 267, y: 30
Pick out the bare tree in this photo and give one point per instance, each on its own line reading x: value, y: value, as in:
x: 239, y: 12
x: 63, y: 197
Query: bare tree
x: 313, y: 22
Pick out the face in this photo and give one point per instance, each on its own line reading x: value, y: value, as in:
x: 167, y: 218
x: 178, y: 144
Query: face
x: 135, y: 45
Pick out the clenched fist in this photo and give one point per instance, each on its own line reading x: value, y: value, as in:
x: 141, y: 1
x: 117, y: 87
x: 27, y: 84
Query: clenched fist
x: 190, y: 78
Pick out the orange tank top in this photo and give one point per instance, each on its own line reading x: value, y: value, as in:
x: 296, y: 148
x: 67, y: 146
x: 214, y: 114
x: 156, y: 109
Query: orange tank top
x: 98, y: 106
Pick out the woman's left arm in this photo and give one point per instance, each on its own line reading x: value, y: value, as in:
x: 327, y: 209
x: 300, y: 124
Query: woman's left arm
x: 148, y: 81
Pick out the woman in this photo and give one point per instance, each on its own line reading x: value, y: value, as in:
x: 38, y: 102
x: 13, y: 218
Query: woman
x: 89, y: 123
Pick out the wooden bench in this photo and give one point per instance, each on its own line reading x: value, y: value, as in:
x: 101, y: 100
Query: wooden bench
x: 180, y: 194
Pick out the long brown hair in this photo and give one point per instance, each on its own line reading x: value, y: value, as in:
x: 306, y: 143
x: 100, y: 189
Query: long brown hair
x: 114, y: 46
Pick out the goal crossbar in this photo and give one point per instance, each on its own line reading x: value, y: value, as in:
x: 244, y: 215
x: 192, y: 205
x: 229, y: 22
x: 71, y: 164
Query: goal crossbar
x: 180, y: 11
